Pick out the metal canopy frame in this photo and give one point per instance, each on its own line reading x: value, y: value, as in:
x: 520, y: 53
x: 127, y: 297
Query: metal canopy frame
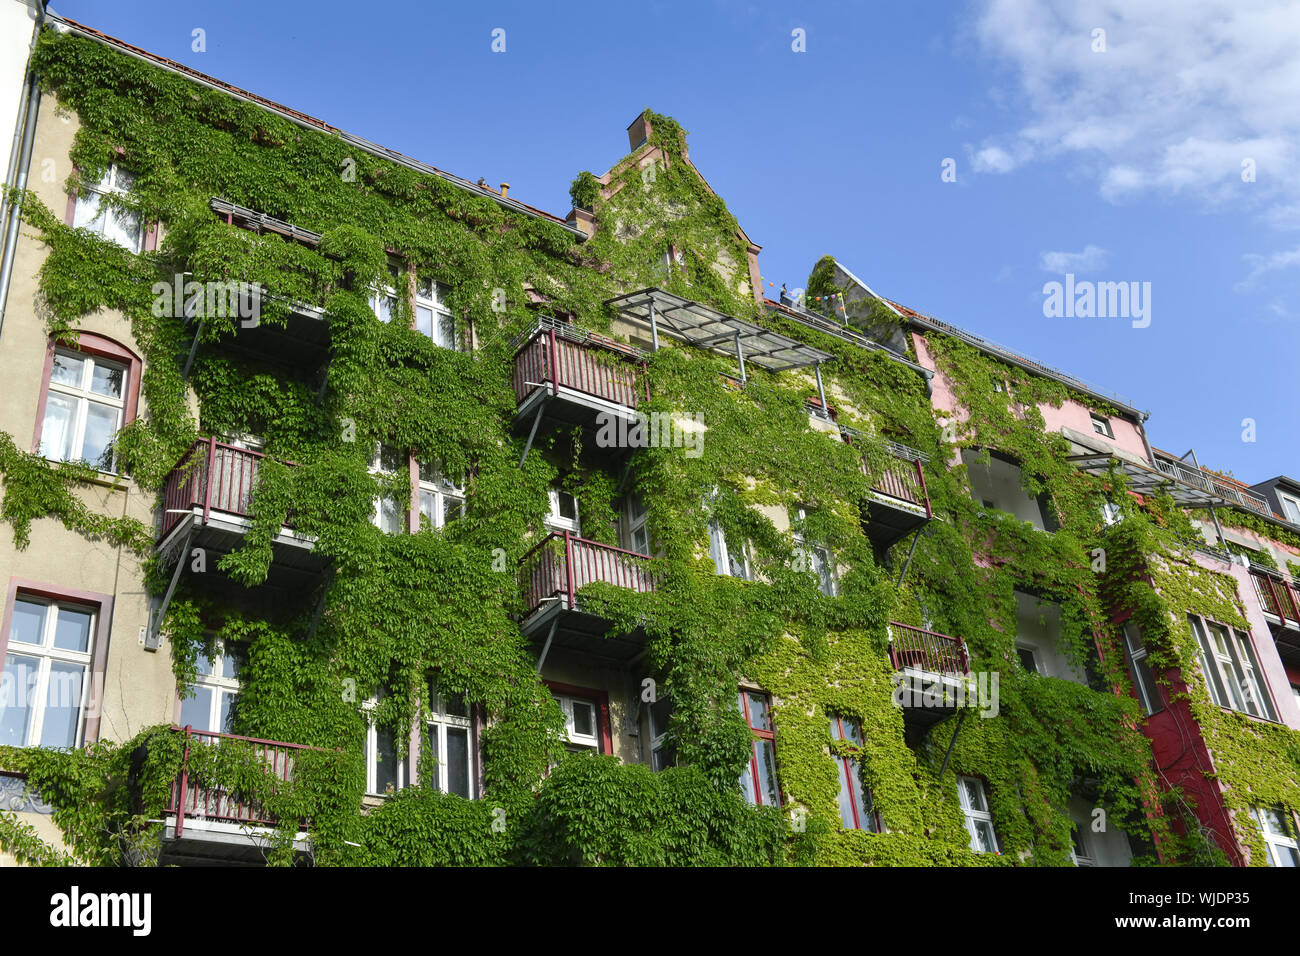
x: 701, y: 326
x: 1144, y: 478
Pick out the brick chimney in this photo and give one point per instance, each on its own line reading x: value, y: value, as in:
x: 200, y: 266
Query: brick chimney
x: 638, y: 132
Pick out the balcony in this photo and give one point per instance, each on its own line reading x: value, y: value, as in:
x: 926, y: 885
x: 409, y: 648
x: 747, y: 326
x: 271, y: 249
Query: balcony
x: 552, y: 573
x: 931, y: 673
x: 1188, y: 483
x: 899, y: 503
x: 1281, y: 606
x: 206, y: 824
x: 207, y: 500
x: 570, y: 376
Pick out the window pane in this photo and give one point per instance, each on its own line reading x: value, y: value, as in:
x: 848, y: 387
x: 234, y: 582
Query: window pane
x: 429, y: 507
x: 852, y: 731
x: 747, y: 785
x: 72, y: 629
x: 232, y: 661
x: 106, y: 379
x: 227, y: 699
x: 567, y: 506
x: 446, y: 330
x: 392, y: 516
x: 759, y: 718
x: 985, y: 841
x: 865, y: 819
x: 67, y: 369
x: 56, y: 430
x: 101, y: 428
x: 63, y: 705
x: 434, y: 756
x: 196, y: 712
x: 845, y: 797
x: 458, y: 761
x: 17, y: 696
x: 86, y: 213
x: 204, y: 665
x: 28, y: 625
x: 454, y: 705
x: 385, y: 761
x: 452, y: 508
x: 123, y: 228
x: 583, y: 719
x: 424, y: 320
x: 766, y: 757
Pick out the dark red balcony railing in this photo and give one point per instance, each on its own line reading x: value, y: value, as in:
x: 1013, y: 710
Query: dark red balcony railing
x: 556, y: 354
x: 195, y: 800
x: 926, y: 650
x: 214, y: 475
x: 562, y: 563
x: 902, y: 478
x: 1277, y: 597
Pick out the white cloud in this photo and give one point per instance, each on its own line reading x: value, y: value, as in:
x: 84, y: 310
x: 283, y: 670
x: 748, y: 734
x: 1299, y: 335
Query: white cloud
x: 1260, y: 265
x: 1090, y: 259
x: 1184, y: 92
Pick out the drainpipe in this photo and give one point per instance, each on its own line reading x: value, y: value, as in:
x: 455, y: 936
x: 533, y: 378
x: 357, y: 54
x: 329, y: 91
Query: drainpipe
x: 27, y: 118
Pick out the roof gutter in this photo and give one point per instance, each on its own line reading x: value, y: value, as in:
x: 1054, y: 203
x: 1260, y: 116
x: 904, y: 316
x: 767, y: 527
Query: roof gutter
x: 383, y: 152
x: 20, y: 160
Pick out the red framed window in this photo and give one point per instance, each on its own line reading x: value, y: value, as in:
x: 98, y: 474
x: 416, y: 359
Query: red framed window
x: 857, y: 807
x: 587, y: 726
x: 53, y: 648
x: 759, y: 784
x: 90, y: 388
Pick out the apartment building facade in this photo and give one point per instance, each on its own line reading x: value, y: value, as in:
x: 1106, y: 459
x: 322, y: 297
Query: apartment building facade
x: 433, y: 508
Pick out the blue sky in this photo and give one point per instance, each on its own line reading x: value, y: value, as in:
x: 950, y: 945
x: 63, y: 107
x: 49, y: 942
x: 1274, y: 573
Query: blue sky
x: 1122, y: 164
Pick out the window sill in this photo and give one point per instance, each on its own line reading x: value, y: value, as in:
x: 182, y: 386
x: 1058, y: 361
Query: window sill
x: 106, y: 479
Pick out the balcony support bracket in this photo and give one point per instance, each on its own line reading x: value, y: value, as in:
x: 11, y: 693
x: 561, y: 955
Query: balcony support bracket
x: 952, y: 743
x: 532, y: 432
x: 911, y: 551
x: 546, y: 647
x: 155, y: 622
x: 194, y: 347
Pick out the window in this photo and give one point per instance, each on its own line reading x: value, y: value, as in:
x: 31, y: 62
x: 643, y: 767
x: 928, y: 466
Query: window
x: 1027, y: 658
x: 581, y: 723
x: 385, y: 774
x: 759, y: 782
x: 44, y: 686
x: 448, y: 737
x: 384, y: 298
x: 1080, y: 850
x: 114, y: 224
x: 85, y: 402
x: 1144, y: 679
x: 1295, y: 692
x: 432, y: 317
x: 818, y: 558
x: 1232, y: 673
x: 636, y: 537
x: 857, y: 811
x: 207, y: 707
x: 1101, y: 426
x: 979, y: 821
x: 564, y: 512
x: 390, y: 512
x: 1290, y: 507
x: 662, y: 754
x: 1279, y: 836
x: 441, y: 500
x: 729, y: 557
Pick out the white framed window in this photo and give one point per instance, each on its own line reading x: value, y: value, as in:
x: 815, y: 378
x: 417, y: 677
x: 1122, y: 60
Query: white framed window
x: 662, y: 754
x: 432, y: 317
x: 390, y: 511
x: 563, y: 515
x: 44, y: 685
x: 385, y: 774
x: 208, y: 702
x: 1232, y: 673
x: 449, y: 744
x: 384, y: 298
x: 1101, y: 425
x: 729, y: 557
x: 1290, y: 507
x: 1081, y: 853
x: 581, y: 723
x: 636, y: 536
x: 1144, y: 679
x: 979, y: 821
x: 84, y: 405
x: 818, y: 559
x: 115, y: 225
x: 1279, y: 836
x: 441, y: 500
